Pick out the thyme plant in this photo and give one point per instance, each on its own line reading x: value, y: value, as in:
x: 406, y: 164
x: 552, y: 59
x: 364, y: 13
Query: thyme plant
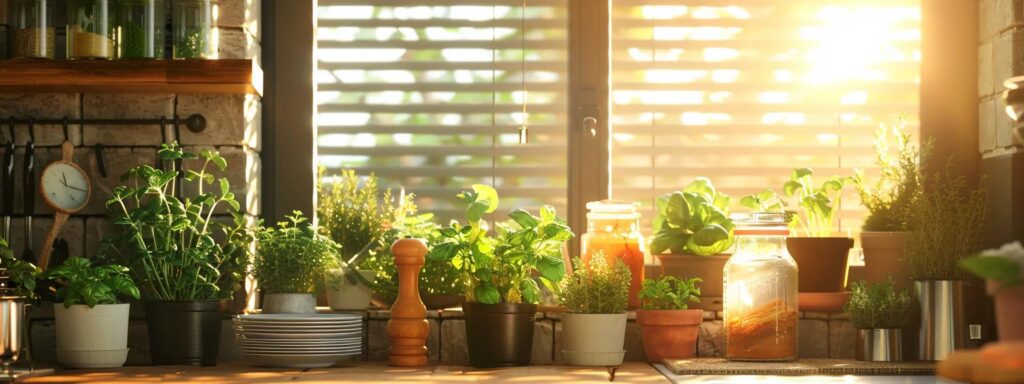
x: 293, y: 257
x: 167, y: 241
x: 890, y: 198
x: 878, y: 306
x: 599, y: 287
x: 949, y: 221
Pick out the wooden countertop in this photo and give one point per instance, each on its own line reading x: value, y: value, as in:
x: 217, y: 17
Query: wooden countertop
x: 357, y: 373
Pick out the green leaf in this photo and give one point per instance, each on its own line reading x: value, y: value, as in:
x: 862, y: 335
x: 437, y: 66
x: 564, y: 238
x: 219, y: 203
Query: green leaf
x: 710, y: 235
x: 995, y: 268
x: 530, y: 291
x: 488, y: 195
x: 551, y: 268
x: 802, y: 172
x: 224, y: 187
x: 523, y: 218
x: 487, y: 294
x: 749, y: 202
x: 668, y: 239
x: 791, y: 187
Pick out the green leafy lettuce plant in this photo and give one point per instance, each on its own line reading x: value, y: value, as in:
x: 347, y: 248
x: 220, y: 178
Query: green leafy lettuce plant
x: 20, y: 274
x: 878, y: 306
x: 365, y: 220
x: 167, y: 241
x: 890, y: 198
x: 949, y: 217
x: 764, y: 201
x: 599, y: 287
x: 80, y: 282
x: 1003, y: 265
x: 501, y: 269
x: 819, y: 205
x: 669, y: 293
x: 693, y: 221
x: 293, y: 257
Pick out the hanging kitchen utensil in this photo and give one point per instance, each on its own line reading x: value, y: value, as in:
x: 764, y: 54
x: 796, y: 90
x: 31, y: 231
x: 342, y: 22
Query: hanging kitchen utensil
x: 65, y: 187
x: 7, y: 177
x: 28, y: 185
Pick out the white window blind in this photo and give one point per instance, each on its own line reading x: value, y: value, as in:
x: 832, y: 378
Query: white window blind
x: 429, y: 96
x: 743, y: 91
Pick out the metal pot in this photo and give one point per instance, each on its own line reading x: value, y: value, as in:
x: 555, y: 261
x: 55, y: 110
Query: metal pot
x: 12, y: 323
x: 944, y: 325
x: 879, y: 345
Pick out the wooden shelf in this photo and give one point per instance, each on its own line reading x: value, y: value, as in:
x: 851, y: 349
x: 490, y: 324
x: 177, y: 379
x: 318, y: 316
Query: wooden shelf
x: 130, y: 76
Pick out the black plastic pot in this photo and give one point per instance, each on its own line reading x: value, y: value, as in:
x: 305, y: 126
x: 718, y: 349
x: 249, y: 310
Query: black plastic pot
x: 184, y: 332
x: 499, y: 335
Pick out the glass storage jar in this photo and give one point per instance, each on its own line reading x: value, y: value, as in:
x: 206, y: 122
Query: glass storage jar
x: 613, y: 227
x: 139, y: 29
x: 191, y: 28
x: 760, y: 301
x: 31, y: 30
x: 89, y: 32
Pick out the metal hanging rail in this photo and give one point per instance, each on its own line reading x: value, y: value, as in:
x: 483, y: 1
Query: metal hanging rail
x: 195, y: 123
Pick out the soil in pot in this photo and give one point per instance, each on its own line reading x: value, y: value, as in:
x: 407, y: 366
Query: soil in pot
x: 822, y: 262
x: 91, y: 337
x: 594, y: 339
x: 1009, y: 311
x: 669, y: 334
x: 499, y: 335
x: 884, y: 257
x: 184, y: 332
x: 708, y: 268
x: 342, y: 295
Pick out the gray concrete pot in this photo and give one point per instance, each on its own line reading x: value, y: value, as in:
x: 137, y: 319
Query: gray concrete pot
x: 594, y: 339
x: 289, y: 303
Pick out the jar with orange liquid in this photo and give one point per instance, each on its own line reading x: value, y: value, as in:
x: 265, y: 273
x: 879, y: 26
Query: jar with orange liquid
x: 613, y: 227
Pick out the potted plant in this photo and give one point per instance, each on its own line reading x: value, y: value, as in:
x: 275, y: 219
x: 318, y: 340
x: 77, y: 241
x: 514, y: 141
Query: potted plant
x: 596, y: 295
x: 694, y: 227
x: 17, y: 287
x: 668, y: 326
x: 500, y: 274
x: 879, y: 312
x: 92, y: 320
x: 821, y: 257
x: 888, y: 201
x: 167, y: 242
x: 949, y: 221
x: 290, y: 263
x: 1003, y: 270
x: 364, y: 222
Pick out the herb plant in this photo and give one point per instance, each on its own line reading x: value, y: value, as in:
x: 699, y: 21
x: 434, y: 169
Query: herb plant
x: 1003, y: 265
x: 878, y: 306
x: 16, y: 273
x: 764, y: 201
x: 693, y: 221
x: 501, y: 269
x: 597, y: 287
x: 293, y: 257
x: 669, y: 293
x: 167, y: 241
x: 891, y: 197
x: 819, y: 205
x: 83, y: 283
x: 949, y: 217
x: 436, y: 277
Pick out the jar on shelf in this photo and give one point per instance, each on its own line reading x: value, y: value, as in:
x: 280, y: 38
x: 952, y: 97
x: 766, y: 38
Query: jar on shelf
x: 760, y: 302
x: 31, y: 30
x: 192, y: 22
x: 613, y: 227
x: 139, y: 29
x: 89, y: 30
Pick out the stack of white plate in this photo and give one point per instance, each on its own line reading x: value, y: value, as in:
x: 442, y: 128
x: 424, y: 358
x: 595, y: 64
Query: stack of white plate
x: 299, y: 341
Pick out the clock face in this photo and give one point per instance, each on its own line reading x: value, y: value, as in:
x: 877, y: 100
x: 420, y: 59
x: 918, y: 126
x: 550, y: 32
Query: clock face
x: 65, y: 186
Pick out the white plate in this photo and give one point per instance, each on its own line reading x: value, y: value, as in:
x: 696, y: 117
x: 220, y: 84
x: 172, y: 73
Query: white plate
x: 286, y: 329
x: 246, y: 343
x: 302, y: 336
x: 281, y: 317
x: 300, y: 351
x: 297, y: 324
x: 298, y: 361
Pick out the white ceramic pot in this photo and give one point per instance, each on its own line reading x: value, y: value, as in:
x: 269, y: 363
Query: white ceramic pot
x: 342, y: 295
x: 92, y: 337
x: 594, y: 339
x: 301, y: 303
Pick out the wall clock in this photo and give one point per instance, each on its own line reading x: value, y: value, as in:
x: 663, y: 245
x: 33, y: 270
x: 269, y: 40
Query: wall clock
x: 66, y: 188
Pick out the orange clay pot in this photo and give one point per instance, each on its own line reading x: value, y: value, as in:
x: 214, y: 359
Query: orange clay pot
x: 669, y: 334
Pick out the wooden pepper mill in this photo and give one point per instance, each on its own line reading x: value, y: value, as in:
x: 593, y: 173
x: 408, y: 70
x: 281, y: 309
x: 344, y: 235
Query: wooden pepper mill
x: 408, y: 327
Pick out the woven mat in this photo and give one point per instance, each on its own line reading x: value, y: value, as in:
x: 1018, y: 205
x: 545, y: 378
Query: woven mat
x: 719, y: 366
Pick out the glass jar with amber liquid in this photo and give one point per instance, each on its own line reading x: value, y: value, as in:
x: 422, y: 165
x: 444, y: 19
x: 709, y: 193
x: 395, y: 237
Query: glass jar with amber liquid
x: 761, y: 285
x: 613, y: 228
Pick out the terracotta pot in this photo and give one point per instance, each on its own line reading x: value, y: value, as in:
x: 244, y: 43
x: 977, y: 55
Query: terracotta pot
x: 708, y: 268
x: 884, y: 257
x: 669, y: 334
x: 822, y: 262
x: 1009, y: 311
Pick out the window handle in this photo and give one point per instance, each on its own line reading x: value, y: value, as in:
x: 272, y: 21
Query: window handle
x: 590, y: 125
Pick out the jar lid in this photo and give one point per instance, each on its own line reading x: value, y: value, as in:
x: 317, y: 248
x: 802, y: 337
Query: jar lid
x: 762, y: 223
x: 613, y: 209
